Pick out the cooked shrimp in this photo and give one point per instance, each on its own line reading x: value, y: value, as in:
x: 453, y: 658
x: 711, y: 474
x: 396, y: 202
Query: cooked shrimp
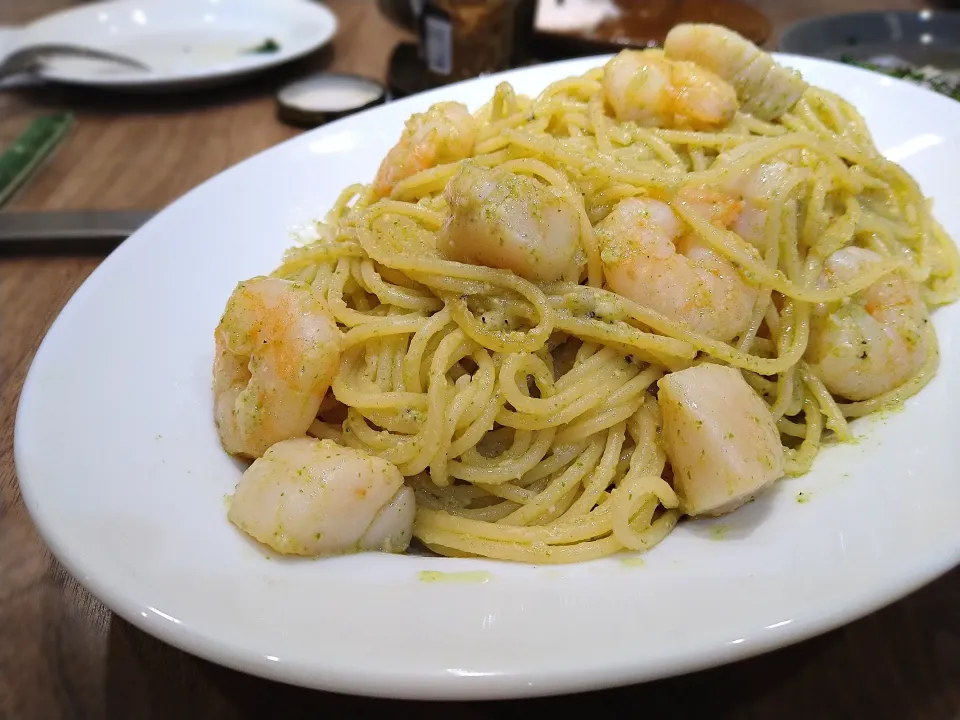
x: 444, y: 133
x: 503, y: 220
x: 648, y: 258
x: 277, y: 350
x: 649, y: 89
x: 717, y: 206
x: 757, y: 188
x: 313, y: 497
x: 875, y: 341
x: 765, y: 88
x: 720, y: 438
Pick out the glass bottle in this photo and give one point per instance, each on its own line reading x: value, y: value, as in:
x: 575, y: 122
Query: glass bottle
x: 461, y: 39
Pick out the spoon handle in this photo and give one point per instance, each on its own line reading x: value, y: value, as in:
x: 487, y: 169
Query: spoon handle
x: 29, y: 59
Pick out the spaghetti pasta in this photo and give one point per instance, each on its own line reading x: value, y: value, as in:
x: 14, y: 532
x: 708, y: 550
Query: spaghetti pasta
x: 524, y: 413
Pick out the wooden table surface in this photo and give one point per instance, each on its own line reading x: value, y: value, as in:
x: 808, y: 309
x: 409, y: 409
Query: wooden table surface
x: 64, y: 655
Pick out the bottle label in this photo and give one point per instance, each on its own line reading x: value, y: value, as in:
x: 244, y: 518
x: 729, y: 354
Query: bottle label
x: 438, y: 42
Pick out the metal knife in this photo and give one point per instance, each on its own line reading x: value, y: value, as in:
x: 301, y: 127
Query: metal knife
x: 70, y: 225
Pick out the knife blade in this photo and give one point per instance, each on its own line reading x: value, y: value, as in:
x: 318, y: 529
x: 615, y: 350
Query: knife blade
x: 70, y: 225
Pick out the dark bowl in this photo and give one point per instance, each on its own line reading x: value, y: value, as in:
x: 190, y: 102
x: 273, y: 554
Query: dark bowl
x: 924, y: 37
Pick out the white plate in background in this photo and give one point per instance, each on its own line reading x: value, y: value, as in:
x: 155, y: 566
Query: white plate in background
x: 184, y: 42
x: 121, y: 469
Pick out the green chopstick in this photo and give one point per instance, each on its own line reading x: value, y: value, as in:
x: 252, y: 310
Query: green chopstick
x: 35, y: 144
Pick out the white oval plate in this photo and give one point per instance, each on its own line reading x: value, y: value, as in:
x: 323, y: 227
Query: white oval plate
x: 184, y: 42
x: 121, y: 469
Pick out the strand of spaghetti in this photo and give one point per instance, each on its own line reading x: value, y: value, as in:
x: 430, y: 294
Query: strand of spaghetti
x: 509, y: 491
x: 450, y: 350
x: 600, y: 420
x: 393, y: 448
x: 431, y: 270
x: 599, y: 122
x: 945, y: 283
x: 798, y: 461
x: 558, y: 487
x: 597, y: 391
x: 448, y: 495
x: 545, y: 145
x: 588, y: 527
x: 661, y: 349
x: 478, y: 427
x: 350, y: 394
x: 484, y: 380
x: 670, y: 330
x: 488, y: 513
x: 743, y: 254
x: 402, y: 325
x: 754, y: 153
x: 839, y: 233
x: 464, y: 392
x: 298, y: 257
x: 395, y: 295
x: 499, y: 340
x: 499, y: 156
x: 549, y: 403
x: 828, y: 406
x: 552, y: 513
x: 532, y: 552
x: 791, y: 429
x: 635, y: 492
x: 497, y: 453
x: 418, y: 347
x: 326, y: 431
x: 698, y: 159
x: 586, y: 88
x: 342, y: 203
x: 563, y: 107
x: 789, y: 325
x: 335, y: 301
x: 773, y: 231
x: 658, y: 529
x: 610, y: 196
x: 755, y: 126
x: 644, y: 427
x: 816, y: 199
x: 506, y: 469
x: 589, y: 360
x: 601, y: 477
x: 384, y: 377
x: 659, y: 146
x: 718, y: 140
x: 417, y: 212
x: 561, y: 455
x: 619, y: 406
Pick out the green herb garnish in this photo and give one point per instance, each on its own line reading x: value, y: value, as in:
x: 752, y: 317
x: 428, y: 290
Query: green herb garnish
x: 19, y: 161
x: 942, y: 85
x: 267, y: 46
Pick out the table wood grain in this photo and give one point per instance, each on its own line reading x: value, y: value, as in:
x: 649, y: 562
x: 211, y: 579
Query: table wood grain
x: 64, y: 655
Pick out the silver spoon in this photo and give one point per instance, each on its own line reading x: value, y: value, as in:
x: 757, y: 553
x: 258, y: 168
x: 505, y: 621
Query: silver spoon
x: 30, y: 59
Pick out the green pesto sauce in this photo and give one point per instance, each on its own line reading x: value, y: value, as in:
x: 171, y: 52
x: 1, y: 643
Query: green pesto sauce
x: 477, y: 576
x: 803, y: 497
x: 719, y: 532
x: 633, y: 562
